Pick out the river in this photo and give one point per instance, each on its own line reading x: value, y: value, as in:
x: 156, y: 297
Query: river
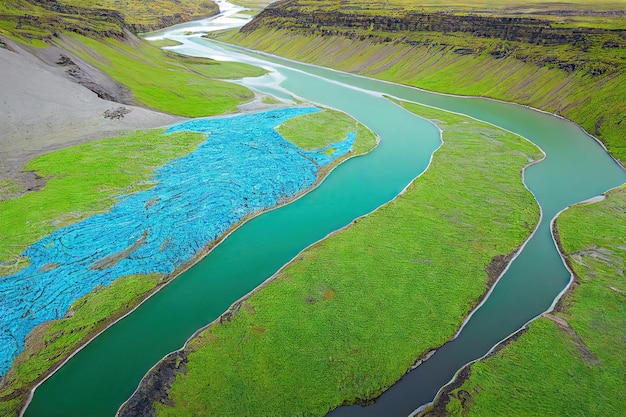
x: 105, y: 373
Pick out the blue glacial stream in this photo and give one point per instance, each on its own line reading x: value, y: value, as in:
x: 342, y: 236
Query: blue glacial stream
x: 104, y: 374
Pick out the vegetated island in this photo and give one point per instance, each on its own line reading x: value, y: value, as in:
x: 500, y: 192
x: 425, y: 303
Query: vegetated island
x: 353, y: 313
x: 566, y: 58
x: 52, y: 55
x: 571, y: 360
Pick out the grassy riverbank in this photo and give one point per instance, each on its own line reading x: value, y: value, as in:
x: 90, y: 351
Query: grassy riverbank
x: 563, y: 58
x: 569, y: 362
x: 84, y: 180
x: 53, y: 342
x: 354, y: 312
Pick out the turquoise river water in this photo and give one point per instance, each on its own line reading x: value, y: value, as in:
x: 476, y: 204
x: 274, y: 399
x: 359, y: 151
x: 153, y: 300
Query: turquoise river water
x: 104, y: 374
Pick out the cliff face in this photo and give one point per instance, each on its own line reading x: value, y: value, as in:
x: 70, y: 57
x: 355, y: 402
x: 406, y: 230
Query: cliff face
x: 520, y: 29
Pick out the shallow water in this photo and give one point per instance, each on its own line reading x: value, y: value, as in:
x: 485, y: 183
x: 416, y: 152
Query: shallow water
x: 98, y: 379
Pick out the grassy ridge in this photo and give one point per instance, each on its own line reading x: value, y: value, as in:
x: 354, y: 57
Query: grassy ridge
x: 576, y: 353
x: 579, y: 74
x: 594, y: 13
x: 345, y: 320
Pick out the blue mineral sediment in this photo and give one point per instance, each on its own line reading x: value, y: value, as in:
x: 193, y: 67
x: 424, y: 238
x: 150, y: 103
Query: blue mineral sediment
x: 245, y: 166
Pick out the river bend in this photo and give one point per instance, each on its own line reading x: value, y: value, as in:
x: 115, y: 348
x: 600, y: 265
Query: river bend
x: 104, y: 374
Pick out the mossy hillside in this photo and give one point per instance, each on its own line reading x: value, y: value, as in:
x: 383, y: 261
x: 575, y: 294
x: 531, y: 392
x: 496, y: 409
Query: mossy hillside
x: 353, y: 312
x: 576, y: 353
x: 146, y: 14
x: 165, y: 81
x: 83, y: 180
x: 596, y: 103
x: 161, y: 80
x: 53, y: 342
x: 579, y: 76
x: 34, y: 21
x: 565, y: 14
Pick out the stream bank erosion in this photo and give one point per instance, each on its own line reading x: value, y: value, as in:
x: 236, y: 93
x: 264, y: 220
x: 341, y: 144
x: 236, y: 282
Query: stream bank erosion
x: 350, y: 315
x: 562, y: 352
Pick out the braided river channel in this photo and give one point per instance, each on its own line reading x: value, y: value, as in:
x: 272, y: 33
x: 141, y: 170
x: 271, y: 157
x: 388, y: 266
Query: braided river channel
x: 99, y: 378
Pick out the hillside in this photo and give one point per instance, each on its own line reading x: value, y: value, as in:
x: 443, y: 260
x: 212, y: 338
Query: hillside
x: 564, y: 58
x: 41, y: 20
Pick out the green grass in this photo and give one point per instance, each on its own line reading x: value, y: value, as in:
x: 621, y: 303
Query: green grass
x: 355, y: 311
x: 166, y: 81
x: 270, y: 100
x: 83, y: 180
x: 317, y: 130
x: 545, y: 373
x: 34, y: 21
x: 52, y: 342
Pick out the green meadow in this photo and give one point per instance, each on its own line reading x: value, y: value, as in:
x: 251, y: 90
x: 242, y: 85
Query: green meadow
x: 354, y: 311
x: 569, y: 362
